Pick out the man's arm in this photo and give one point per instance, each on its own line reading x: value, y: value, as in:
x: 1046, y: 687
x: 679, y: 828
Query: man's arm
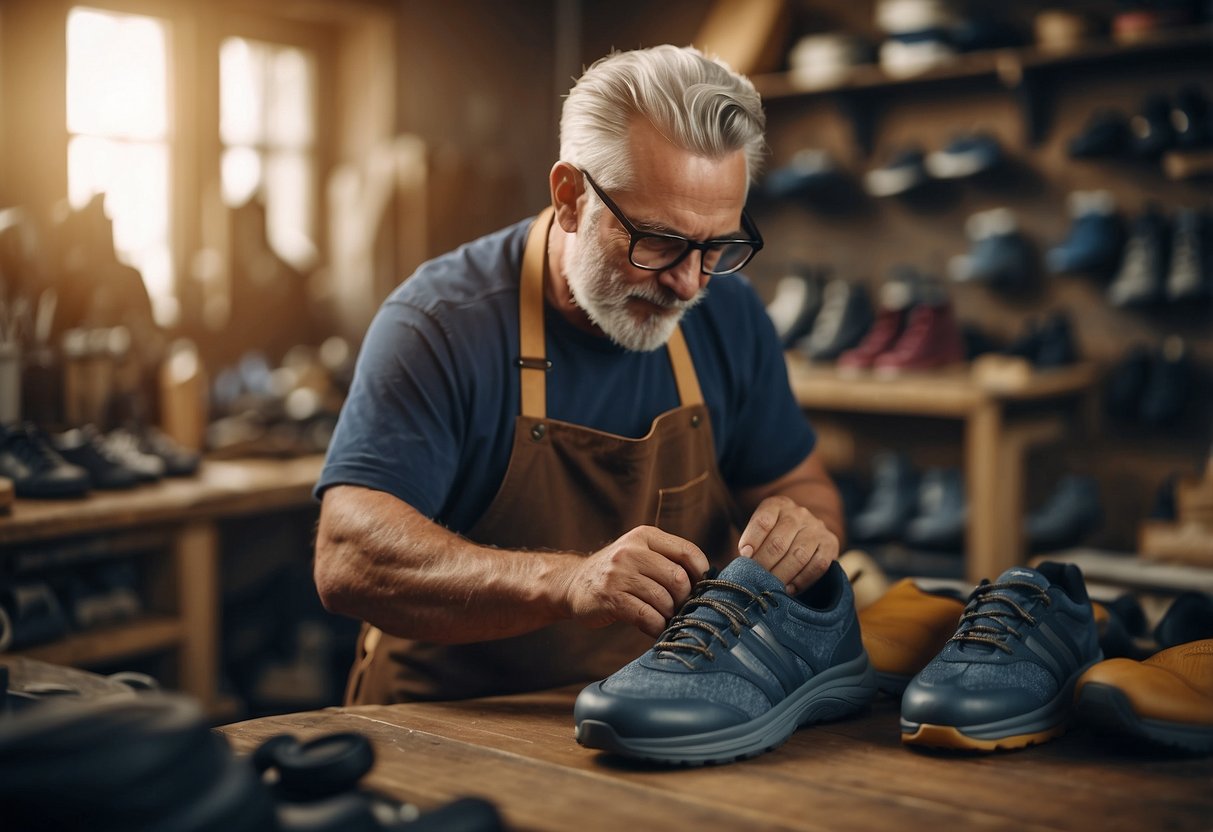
x: 796, y: 525
x: 380, y: 560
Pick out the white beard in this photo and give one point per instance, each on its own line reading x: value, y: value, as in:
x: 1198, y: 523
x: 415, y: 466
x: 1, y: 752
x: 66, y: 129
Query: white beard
x: 603, y: 295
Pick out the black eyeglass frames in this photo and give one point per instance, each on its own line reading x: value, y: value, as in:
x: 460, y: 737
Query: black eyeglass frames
x: 657, y: 252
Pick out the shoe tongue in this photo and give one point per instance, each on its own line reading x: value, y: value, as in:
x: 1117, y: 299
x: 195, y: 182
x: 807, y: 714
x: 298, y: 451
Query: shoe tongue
x: 748, y: 573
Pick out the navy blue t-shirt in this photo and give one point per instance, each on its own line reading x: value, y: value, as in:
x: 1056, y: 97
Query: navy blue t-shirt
x: 430, y: 415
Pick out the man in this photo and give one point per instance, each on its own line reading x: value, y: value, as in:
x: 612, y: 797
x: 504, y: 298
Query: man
x: 555, y: 430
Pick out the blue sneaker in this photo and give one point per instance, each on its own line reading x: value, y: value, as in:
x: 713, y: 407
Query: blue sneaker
x: 1006, y: 678
x: 739, y: 668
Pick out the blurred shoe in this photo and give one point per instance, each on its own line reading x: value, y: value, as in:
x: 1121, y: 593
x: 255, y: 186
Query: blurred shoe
x: 35, y: 468
x: 1188, y: 618
x: 1070, y: 513
x: 1006, y: 678
x: 912, y: 53
x: 1166, y: 699
x: 1141, y: 279
x: 123, y: 446
x: 1126, y: 383
x: 1151, y: 132
x: 1062, y: 30
x: 740, y: 667
x: 966, y: 155
x: 809, y: 172
x: 891, y: 503
x: 940, y: 522
x: 845, y: 317
x: 904, y: 171
x: 1000, y: 255
x: 178, y: 460
x: 31, y: 614
x: 869, y: 582
x: 1114, y: 639
x: 1190, y: 277
x: 1166, y: 392
x: 896, y: 297
x: 797, y: 301
x: 1106, y: 134
x: 905, y: 629
x: 1046, y: 344
x: 1096, y: 239
x: 931, y: 340
x: 85, y: 447
x: 1192, y: 118
x: 826, y: 59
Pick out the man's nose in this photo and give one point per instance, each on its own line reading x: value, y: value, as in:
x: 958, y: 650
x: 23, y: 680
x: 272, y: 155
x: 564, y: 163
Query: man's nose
x: 686, y: 279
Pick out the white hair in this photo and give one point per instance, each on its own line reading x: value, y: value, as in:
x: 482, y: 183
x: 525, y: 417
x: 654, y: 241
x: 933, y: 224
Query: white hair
x: 696, y: 102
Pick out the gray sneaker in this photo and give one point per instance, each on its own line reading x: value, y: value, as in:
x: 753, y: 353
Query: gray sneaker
x: 740, y: 668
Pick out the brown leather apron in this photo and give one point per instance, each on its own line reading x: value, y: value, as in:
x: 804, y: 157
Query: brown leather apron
x: 567, y: 488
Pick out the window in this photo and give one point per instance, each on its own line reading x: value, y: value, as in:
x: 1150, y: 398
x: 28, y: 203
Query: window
x: 267, y: 125
x: 120, y: 138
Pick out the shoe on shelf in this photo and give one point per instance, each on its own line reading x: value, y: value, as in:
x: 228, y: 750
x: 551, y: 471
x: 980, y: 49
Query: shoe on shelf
x: 178, y: 461
x: 1006, y: 677
x: 967, y: 154
x: 904, y: 171
x: 1126, y: 382
x: 940, y: 524
x: 1047, y: 343
x: 30, y: 614
x: 797, y: 301
x: 1105, y: 134
x: 1166, y: 700
x: 739, y: 668
x: 1096, y: 239
x: 123, y: 445
x: 845, y: 317
x: 35, y: 468
x: 1068, y: 514
x: 1190, y: 277
x: 1188, y: 618
x: 1166, y: 391
x: 999, y: 254
x: 85, y: 447
x: 809, y: 173
x: 891, y: 503
x: 931, y: 340
x: 905, y: 629
x: 1151, y: 131
x: 1141, y: 279
x: 896, y: 297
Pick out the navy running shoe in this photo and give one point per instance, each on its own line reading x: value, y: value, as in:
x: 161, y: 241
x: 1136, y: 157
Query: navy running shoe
x: 739, y: 669
x: 1006, y: 678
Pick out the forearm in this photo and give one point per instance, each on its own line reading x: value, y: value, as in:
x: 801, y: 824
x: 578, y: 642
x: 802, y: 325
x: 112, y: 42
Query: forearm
x: 380, y: 560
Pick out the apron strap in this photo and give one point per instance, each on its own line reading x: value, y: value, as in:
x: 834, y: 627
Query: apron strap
x: 532, y: 359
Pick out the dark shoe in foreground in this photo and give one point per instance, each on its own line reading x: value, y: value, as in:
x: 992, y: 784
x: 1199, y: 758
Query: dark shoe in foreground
x: 738, y: 670
x: 1006, y: 678
x: 905, y: 629
x: 1166, y: 699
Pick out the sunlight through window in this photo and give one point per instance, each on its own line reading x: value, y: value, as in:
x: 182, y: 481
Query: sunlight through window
x: 118, y: 121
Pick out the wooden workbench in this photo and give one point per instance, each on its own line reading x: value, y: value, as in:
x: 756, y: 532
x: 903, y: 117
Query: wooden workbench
x: 1002, y: 423
x: 519, y: 753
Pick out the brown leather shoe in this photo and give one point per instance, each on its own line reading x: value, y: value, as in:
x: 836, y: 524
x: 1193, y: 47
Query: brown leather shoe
x: 1166, y: 699
x: 904, y: 630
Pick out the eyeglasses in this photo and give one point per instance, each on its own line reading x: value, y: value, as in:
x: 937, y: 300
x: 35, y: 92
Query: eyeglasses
x: 657, y: 252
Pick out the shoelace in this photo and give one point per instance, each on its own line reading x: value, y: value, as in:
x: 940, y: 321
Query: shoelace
x: 680, y: 635
x: 1003, y: 620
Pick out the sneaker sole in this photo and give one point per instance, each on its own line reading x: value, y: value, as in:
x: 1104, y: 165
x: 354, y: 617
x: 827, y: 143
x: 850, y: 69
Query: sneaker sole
x: 1106, y: 707
x: 838, y: 692
x: 1047, y: 722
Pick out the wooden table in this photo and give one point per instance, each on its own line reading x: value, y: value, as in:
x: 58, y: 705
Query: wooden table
x: 177, y: 517
x: 1002, y: 422
x: 519, y: 753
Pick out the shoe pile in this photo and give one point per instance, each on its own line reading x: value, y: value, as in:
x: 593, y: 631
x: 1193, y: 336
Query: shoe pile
x: 740, y: 667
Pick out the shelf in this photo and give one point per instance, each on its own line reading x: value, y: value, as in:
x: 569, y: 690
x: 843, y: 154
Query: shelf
x: 1025, y: 71
x: 107, y: 644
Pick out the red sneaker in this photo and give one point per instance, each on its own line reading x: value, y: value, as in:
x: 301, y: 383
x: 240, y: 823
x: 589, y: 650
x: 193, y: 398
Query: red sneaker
x: 931, y: 339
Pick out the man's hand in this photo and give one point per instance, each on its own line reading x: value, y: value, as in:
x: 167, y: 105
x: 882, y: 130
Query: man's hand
x: 642, y: 578
x: 790, y: 542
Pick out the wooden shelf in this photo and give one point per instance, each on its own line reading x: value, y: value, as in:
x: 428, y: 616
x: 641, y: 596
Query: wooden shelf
x: 107, y: 644
x: 1028, y: 72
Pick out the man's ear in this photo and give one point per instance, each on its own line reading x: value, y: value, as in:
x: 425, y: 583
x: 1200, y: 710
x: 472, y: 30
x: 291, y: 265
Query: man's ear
x: 568, y: 186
